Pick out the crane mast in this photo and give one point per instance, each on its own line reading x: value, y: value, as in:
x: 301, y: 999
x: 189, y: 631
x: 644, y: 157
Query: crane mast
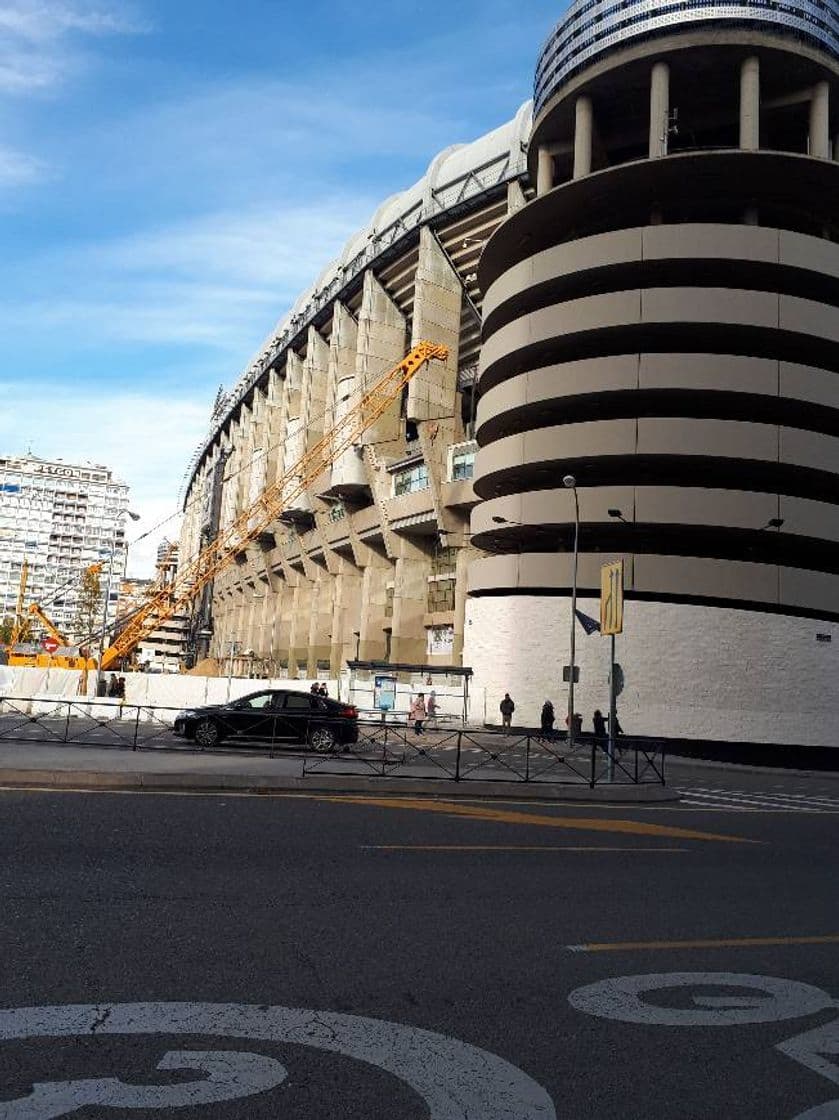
x: 232, y: 540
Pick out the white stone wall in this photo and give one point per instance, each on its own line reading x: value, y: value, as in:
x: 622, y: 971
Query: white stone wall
x: 699, y: 672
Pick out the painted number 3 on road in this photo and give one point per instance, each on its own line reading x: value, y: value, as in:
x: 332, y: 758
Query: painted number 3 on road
x: 456, y: 1081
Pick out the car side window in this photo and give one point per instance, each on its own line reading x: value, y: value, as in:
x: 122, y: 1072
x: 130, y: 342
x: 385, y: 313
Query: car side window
x: 261, y: 700
x: 298, y: 702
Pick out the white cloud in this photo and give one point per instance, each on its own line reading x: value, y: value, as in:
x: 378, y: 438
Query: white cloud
x: 220, y: 281
x: 17, y: 169
x: 37, y: 38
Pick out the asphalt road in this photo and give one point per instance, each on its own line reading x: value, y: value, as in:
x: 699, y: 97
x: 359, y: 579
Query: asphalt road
x: 485, y: 924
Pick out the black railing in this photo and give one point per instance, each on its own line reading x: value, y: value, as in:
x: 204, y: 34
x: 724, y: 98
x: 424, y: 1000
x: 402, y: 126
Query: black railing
x: 337, y: 746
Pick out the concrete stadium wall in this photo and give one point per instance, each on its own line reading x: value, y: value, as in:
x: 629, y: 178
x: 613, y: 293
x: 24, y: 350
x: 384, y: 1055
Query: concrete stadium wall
x: 690, y: 671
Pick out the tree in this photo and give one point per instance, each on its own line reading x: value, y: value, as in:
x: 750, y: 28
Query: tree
x: 7, y: 627
x: 88, y: 603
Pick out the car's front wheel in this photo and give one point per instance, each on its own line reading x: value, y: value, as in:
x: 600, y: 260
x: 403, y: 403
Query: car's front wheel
x: 207, y: 733
x: 322, y: 740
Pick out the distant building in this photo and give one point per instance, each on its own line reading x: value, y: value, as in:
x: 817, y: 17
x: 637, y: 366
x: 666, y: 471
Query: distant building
x: 164, y: 650
x: 60, y: 517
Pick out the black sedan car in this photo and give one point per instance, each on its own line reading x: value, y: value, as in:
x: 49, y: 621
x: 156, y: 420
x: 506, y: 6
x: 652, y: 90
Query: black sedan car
x: 276, y: 715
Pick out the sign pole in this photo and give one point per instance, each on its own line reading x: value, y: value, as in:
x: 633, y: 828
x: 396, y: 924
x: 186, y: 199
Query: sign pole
x: 613, y: 708
x: 611, y: 623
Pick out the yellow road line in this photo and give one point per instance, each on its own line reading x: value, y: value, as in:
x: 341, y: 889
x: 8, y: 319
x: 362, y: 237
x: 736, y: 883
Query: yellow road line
x: 506, y: 848
x: 722, y: 943
x: 506, y: 816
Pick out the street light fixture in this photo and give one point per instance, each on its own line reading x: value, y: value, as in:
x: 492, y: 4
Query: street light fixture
x: 774, y: 523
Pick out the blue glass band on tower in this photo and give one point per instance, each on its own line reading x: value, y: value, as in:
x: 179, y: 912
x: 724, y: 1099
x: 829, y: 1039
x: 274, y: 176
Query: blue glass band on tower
x: 594, y: 27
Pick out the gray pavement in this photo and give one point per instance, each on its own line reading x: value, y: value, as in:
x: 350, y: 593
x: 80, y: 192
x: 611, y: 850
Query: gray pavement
x: 483, y: 957
x: 52, y: 763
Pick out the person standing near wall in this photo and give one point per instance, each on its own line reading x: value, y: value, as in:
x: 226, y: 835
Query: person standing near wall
x: 507, y: 707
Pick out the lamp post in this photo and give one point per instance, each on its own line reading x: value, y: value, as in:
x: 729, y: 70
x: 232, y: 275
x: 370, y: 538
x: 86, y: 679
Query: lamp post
x: 570, y: 483
x: 106, y: 605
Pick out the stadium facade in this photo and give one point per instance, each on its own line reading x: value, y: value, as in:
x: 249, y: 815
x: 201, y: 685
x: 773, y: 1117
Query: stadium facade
x: 654, y: 314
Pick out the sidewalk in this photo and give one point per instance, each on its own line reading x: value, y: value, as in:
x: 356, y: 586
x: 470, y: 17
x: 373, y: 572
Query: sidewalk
x: 58, y: 766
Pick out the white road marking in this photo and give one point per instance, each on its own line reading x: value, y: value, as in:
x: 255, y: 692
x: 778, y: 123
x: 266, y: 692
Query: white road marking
x: 619, y: 998
x: 457, y: 1081
x: 756, y: 802
x: 231, y: 1075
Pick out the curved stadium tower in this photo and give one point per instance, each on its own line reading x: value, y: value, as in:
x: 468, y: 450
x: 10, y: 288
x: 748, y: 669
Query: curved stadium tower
x: 661, y: 324
x: 655, y: 313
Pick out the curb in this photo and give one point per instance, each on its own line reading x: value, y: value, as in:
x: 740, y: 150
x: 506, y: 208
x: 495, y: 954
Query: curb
x: 139, y: 782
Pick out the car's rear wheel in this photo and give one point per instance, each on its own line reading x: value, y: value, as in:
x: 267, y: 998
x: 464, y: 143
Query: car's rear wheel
x: 322, y: 740
x: 207, y: 733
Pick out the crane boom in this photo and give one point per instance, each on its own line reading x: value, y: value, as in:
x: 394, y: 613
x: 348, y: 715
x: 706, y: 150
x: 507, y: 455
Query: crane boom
x: 232, y: 540
x: 37, y: 612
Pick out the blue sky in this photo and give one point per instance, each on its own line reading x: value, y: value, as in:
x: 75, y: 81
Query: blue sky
x: 174, y: 172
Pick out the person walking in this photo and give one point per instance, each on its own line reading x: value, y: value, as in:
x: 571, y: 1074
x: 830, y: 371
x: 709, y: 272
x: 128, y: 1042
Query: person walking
x: 113, y: 687
x: 323, y: 691
x: 431, y: 707
x: 418, y: 712
x: 547, y: 718
x: 599, y: 722
x: 507, y: 708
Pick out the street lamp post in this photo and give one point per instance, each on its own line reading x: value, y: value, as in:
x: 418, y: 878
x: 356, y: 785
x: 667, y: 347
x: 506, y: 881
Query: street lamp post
x: 570, y: 483
x: 105, y: 607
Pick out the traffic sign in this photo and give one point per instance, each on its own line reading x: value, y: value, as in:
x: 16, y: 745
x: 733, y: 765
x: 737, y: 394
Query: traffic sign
x: 49, y: 644
x: 611, y: 598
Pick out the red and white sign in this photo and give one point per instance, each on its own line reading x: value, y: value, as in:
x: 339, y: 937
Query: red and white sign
x: 49, y: 644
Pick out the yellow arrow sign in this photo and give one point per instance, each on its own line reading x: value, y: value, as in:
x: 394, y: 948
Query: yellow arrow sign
x: 611, y: 598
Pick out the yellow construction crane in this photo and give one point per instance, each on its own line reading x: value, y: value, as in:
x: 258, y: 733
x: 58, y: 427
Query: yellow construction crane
x: 231, y: 541
x: 38, y: 612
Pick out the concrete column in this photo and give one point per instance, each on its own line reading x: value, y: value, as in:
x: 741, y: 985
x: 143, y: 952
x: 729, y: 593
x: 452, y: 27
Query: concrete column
x: 659, y: 109
x: 438, y: 296
x: 381, y: 343
x: 346, y: 615
x: 583, y: 134
x: 377, y: 571
x: 320, y: 626
x: 410, y: 605
x: 820, y: 121
x: 515, y: 197
x: 750, y: 104
x: 544, y: 172
x: 298, y: 645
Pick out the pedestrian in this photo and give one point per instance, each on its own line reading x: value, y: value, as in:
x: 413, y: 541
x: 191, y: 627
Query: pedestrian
x: 431, y: 707
x: 507, y: 708
x: 599, y: 722
x: 418, y: 712
x: 315, y: 689
x: 323, y: 691
x: 113, y: 686
x: 121, y: 687
x: 547, y: 718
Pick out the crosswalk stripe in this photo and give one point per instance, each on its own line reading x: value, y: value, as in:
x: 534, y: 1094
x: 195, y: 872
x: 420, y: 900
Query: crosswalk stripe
x: 756, y: 801
x: 761, y: 793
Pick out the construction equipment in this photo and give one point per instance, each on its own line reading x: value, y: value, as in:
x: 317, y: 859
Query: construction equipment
x: 234, y: 539
x: 38, y: 612
x: 17, y: 653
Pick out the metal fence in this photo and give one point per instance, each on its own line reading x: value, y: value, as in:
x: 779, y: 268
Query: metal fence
x: 339, y: 747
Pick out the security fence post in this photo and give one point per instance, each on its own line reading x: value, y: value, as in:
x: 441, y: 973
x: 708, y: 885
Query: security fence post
x: 593, y: 781
x: 457, y: 755
x: 527, y: 743
x: 67, y: 723
x: 136, y: 728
